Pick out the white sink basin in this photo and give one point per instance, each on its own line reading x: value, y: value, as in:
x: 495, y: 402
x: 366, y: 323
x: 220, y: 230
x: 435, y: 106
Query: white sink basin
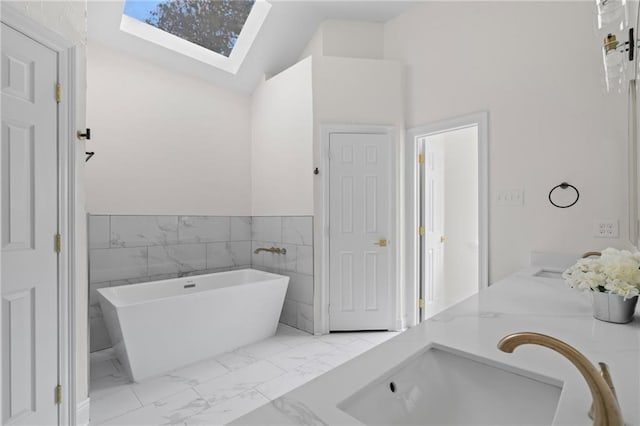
x: 443, y: 386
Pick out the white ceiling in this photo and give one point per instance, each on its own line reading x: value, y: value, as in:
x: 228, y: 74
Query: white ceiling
x: 284, y: 34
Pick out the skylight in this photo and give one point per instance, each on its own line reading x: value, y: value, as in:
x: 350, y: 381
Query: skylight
x: 213, y: 24
x: 215, y: 32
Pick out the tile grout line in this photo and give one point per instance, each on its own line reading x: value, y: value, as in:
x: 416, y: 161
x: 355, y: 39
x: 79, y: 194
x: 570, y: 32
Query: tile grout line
x: 163, y: 397
x: 206, y: 255
x: 263, y: 395
x: 103, y: 421
x: 147, y: 249
x: 219, y: 402
x: 136, y: 395
x: 278, y: 367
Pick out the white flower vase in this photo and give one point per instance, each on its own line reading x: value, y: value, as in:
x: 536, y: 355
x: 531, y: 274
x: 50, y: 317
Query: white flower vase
x: 611, y: 307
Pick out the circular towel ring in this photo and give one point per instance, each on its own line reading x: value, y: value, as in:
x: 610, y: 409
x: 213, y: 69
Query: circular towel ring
x: 564, y: 185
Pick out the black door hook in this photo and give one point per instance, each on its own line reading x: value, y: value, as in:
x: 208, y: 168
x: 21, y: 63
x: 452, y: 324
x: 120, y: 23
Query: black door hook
x: 86, y: 135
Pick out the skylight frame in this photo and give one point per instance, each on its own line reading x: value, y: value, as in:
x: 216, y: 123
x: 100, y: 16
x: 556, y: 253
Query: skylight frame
x: 230, y: 64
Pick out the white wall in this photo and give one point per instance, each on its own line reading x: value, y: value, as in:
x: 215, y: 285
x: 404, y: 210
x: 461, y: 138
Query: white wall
x: 165, y: 143
x: 535, y: 66
x: 354, y: 90
x: 68, y: 19
x: 460, y: 149
x: 353, y: 39
x: 347, y: 39
x: 315, y: 45
x: 282, y: 144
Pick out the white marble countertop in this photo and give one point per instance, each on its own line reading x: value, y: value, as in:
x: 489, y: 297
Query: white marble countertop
x: 518, y: 303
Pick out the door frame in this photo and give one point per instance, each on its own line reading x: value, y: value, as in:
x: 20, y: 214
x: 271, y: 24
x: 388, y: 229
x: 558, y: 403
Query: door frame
x: 321, y: 225
x: 67, y: 54
x: 412, y: 219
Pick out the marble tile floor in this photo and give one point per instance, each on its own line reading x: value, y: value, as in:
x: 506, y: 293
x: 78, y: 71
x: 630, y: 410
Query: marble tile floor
x: 218, y: 390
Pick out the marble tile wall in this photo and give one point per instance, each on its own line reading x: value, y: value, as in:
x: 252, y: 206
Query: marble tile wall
x: 132, y: 249
x: 294, y: 233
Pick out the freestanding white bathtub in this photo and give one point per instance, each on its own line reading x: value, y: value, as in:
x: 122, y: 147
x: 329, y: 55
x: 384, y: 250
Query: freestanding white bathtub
x: 158, y: 326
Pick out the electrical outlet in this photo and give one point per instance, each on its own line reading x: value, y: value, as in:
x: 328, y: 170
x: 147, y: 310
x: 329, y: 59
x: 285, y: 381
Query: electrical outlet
x: 605, y: 228
x: 514, y: 197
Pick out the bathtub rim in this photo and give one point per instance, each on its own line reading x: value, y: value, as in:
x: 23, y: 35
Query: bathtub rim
x: 272, y: 277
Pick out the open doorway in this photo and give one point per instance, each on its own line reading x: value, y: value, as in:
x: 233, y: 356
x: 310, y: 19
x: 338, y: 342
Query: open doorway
x: 448, y: 191
x: 447, y: 203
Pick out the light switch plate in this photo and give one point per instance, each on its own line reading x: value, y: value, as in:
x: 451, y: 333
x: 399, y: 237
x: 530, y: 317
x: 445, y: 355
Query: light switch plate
x: 513, y: 197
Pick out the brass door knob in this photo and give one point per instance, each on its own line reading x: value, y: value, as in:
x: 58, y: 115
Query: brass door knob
x: 381, y: 243
x: 442, y: 238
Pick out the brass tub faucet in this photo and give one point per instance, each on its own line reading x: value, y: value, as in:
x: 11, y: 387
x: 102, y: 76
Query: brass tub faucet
x: 274, y: 250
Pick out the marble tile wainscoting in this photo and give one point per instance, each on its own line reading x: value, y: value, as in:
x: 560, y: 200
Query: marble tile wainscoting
x: 295, y: 234
x: 134, y: 249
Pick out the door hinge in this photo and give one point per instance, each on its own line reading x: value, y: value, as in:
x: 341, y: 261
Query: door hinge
x: 58, y: 92
x: 421, y: 231
x: 58, y: 243
x: 58, y: 394
x: 420, y: 158
x: 421, y: 303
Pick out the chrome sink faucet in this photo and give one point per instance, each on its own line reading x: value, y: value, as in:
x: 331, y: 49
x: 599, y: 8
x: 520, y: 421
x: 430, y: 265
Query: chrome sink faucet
x: 605, y: 405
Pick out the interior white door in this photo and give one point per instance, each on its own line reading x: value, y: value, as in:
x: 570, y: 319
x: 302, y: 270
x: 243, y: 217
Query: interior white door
x: 29, y: 225
x: 433, y: 223
x: 359, y: 225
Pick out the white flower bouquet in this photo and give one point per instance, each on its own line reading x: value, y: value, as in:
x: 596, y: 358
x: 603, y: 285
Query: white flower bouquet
x: 615, y: 271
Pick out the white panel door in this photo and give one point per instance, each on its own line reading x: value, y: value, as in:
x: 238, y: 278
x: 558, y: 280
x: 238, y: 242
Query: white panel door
x: 29, y: 224
x: 359, y: 216
x: 433, y: 222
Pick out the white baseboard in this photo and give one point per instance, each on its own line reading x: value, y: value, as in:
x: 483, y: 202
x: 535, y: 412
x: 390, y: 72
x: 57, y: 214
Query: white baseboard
x: 82, y: 413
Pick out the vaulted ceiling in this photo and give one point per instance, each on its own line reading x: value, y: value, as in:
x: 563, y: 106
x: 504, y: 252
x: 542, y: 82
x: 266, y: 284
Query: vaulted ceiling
x: 285, y: 32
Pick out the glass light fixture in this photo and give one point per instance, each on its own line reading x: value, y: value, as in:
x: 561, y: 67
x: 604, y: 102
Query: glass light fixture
x: 612, y: 23
x: 611, y: 15
x: 614, y: 64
